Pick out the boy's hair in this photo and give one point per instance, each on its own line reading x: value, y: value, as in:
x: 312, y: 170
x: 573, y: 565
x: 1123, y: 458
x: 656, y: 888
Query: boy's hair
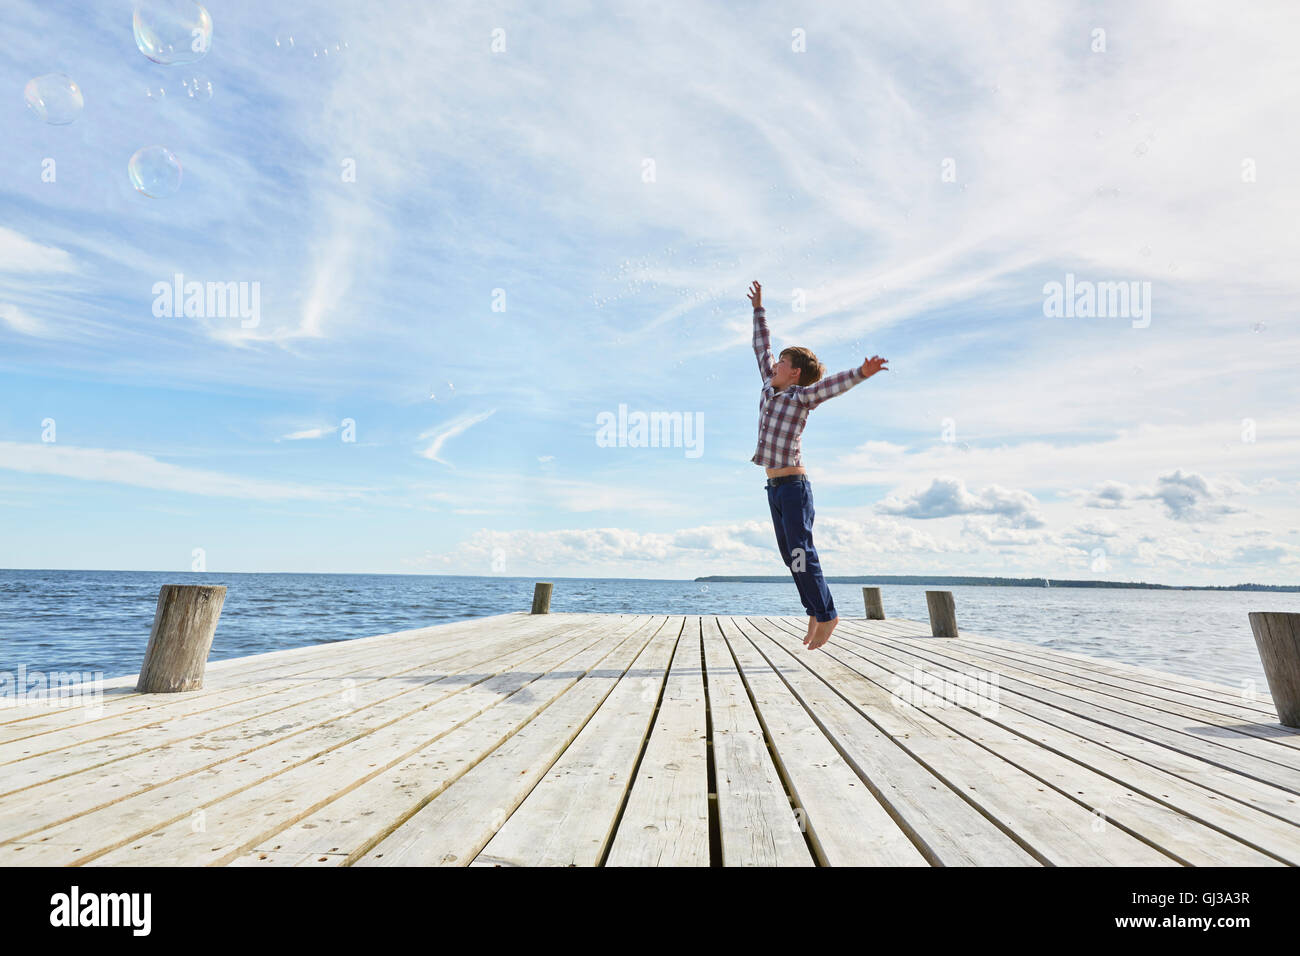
x: 810, y: 370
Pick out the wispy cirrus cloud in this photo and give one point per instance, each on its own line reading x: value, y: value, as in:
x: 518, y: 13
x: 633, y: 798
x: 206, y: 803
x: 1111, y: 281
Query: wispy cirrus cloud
x: 319, y: 432
x: 20, y: 321
x: 146, y: 471
x: 447, y: 431
x: 18, y: 253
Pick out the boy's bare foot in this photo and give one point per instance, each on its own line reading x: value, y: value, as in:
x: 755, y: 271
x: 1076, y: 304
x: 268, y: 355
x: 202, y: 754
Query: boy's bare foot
x: 812, y: 624
x: 822, y: 633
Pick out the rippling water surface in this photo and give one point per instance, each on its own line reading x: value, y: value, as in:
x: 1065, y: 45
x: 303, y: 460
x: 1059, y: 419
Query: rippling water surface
x: 100, y: 620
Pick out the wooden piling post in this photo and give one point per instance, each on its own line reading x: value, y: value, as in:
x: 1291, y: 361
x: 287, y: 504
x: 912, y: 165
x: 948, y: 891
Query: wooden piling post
x: 542, y: 597
x: 1277, y: 637
x: 183, y: 625
x: 943, y: 613
x: 875, y: 607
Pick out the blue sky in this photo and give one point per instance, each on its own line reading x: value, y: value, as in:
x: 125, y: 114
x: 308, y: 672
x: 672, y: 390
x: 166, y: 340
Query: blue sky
x: 555, y: 212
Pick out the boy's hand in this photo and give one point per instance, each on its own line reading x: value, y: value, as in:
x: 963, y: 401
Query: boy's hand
x: 756, y: 295
x: 873, y: 365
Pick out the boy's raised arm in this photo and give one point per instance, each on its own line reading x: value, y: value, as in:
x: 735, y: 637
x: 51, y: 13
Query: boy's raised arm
x: 762, y: 341
x: 841, y: 382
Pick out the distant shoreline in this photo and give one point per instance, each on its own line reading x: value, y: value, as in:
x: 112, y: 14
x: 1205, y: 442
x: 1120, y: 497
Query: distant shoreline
x: 721, y: 578
x: 1000, y: 582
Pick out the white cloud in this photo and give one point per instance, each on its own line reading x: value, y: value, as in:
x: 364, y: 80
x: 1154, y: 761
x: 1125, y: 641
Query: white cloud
x: 1072, y: 461
x: 20, y: 321
x: 320, y: 432
x: 144, y: 471
x: 1110, y: 494
x: 947, y: 496
x: 1190, y: 497
x: 20, y: 254
x: 448, y: 430
x: 744, y: 547
x: 1097, y: 528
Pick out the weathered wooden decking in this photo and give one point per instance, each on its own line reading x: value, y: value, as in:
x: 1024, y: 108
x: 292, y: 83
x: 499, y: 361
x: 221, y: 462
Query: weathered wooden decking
x: 590, y: 739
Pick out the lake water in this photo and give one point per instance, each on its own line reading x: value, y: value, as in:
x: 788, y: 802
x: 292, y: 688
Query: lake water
x: 100, y: 620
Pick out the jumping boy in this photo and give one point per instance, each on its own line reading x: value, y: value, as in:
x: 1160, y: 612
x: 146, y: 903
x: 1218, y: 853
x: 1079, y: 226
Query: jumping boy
x: 792, y: 388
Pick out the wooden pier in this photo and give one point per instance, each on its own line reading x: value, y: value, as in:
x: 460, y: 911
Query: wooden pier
x: 654, y: 740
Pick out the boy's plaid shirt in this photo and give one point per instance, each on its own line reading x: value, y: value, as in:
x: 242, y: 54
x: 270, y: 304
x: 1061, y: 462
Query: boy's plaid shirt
x: 782, y: 414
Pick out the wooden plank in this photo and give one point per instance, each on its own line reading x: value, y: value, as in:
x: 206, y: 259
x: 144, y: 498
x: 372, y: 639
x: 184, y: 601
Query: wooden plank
x: 234, y: 671
x: 952, y: 831
x: 1214, y: 713
x: 1234, y: 704
x: 665, y: 821
x: 241, y: 675
x: 342, y: 830
x: 288, y: 778
x: 757, y: 823
x: 478, y: 720
x: 1053, y: 803
x: 464, y: 813
x: 1051, y: 827
x: 1255, y: 794
x: 568, y: 818
x: 14, y: 713
x: 71, y: 790
x: 844, y: 819
x: 1215, y: 741
x: 1242, y: 822
x: 1215, y: 690
x: 82, y: 746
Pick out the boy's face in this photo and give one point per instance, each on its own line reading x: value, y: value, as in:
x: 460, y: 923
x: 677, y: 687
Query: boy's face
x: 784, y: 374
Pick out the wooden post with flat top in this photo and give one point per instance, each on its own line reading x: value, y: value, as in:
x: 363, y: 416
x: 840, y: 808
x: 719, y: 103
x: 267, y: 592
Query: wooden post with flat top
x: 943, y: 613
x: 875, y: 608
x: 183, y: 625
x: 542, y: 598
x: 1277, y: 637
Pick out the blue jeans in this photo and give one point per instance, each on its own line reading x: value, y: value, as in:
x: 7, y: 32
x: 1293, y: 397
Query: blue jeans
x: 792, y: 517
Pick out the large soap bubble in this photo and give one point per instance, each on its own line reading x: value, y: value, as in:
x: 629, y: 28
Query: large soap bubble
x: 172, y: 31
x: 55, y: 98
x: 155, y: 171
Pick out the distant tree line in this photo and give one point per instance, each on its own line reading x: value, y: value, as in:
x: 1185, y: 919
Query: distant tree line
x: 998, y: 582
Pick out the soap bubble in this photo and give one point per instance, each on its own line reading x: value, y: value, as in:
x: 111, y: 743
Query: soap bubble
x: 1258, y: 327
x: 304, y: 44
x: 192, y: 90
x: 55, y: 98
x: 197, y: 89
x: 172, y: 31
x: 155, y: 171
